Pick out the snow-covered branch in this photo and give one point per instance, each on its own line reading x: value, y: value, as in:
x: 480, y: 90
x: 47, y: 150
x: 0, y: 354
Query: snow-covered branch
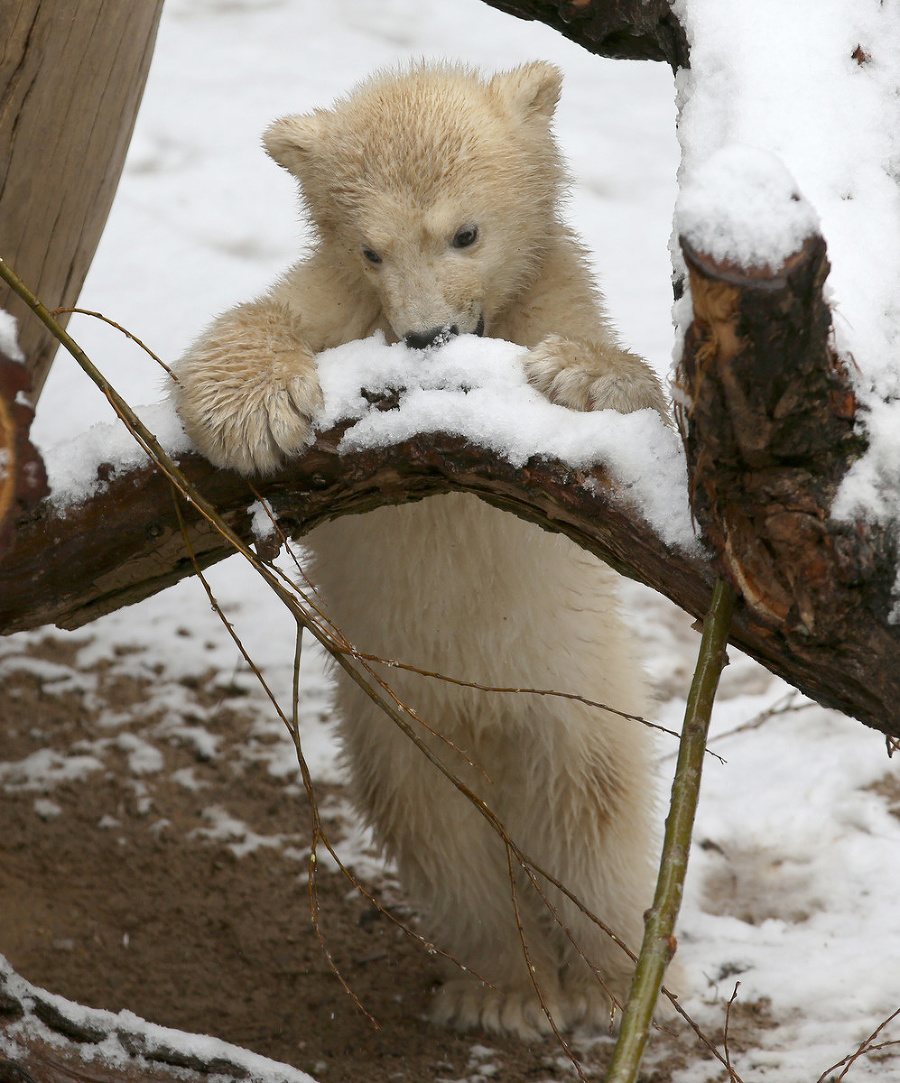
x: 74, y: 562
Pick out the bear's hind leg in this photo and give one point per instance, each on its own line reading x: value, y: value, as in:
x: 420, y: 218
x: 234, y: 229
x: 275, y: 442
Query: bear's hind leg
x: 509, y: 999
x: 585, y: 817
x: 455, y: 871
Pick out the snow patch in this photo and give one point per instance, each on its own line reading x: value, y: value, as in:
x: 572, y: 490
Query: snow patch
x: 742, y: 206
x: 476, y: 388
x: 814, y: 86
x: 72, y: 467
x: 110, y: 1050
x: 9, y: 336
x: 262, y: 520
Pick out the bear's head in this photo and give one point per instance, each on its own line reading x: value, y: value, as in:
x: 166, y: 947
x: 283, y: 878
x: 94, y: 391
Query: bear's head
x: 433, y: 188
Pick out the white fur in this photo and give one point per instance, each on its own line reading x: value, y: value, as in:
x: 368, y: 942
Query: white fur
x: 454, y: 586
x: 397, y: 171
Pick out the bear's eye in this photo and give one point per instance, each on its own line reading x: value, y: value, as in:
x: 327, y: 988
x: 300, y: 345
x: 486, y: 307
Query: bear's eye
x: 465, y: 237
x: 371, y: 255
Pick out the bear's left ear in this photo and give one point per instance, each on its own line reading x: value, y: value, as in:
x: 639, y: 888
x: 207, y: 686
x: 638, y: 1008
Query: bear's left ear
x: 291, y: 140
x: 530, y: 91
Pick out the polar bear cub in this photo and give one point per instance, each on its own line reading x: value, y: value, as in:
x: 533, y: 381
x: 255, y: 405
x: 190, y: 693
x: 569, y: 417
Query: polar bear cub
x: 434, y: 196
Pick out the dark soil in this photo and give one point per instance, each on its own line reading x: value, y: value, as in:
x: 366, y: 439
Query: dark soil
x: 110, y: 897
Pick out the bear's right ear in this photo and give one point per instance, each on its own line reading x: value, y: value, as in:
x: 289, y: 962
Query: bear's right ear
x: 290, y: 141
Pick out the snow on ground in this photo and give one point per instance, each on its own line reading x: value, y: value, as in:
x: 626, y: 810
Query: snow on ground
x: 793, y: 884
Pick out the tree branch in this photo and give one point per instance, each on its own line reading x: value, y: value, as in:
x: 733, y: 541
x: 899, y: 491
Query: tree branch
x: 125, y: 543
x: 624, y: 29
x: 72, y: 565
x: 659, y: 921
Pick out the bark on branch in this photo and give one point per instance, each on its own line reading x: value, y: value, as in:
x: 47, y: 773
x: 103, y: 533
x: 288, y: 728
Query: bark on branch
x: 770, y: 432
x: 70, y: 567
x: 23, y: 480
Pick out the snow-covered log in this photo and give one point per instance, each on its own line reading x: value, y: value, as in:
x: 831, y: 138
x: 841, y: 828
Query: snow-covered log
x: 47, y: 1039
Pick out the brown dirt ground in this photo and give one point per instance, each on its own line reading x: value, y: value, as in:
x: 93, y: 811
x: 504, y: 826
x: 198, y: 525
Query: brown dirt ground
x: 114, y: 903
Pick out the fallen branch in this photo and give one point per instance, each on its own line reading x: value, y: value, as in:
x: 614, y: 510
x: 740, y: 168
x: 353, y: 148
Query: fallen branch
x: 46, y: 1038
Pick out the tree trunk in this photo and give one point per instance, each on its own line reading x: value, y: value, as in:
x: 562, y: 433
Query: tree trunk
x: 72, y: 73
x: 769, y: 432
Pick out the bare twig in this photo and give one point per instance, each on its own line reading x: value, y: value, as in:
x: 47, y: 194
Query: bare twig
x: 394, y: 664
x: 532, y: 974
x: 790, y: 703
x: 732, y: 1076
x: 118, y: 327
x: 866, y: 1046
x: 659, y: 940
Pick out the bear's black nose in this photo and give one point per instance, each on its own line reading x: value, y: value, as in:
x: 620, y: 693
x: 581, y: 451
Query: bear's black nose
x: 436, y: 336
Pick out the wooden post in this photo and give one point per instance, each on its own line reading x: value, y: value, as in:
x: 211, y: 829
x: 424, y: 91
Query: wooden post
x: 72, y: 73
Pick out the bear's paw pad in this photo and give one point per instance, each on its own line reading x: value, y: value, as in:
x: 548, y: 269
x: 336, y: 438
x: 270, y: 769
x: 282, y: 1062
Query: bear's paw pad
x: 573, y: 375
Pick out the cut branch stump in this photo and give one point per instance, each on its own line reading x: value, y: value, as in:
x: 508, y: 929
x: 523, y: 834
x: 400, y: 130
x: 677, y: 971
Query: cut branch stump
x: 770, y: 429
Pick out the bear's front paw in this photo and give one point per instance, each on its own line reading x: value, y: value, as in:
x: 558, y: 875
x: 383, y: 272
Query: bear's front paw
x: 276, y: 422
x: 251, y: 425
x: 593, y: 376
x: 469, y: 1004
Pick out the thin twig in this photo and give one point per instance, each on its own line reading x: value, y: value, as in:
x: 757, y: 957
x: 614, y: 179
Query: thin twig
x: 865, y: 1047
x: 318, y: 831
x: 731, y: 1073
x: 567, y: 932
x: 575, y: 696
x: 532, y: 974
x: 118, y: 327
x: 786, y: 704
x: 304, y: 768
x: 659, y: 940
